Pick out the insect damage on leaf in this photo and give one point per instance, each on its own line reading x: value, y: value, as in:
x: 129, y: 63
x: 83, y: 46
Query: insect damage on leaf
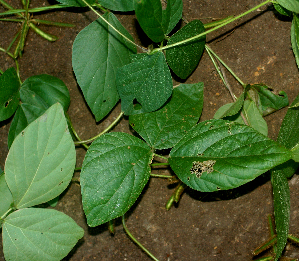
x: 198, y: 168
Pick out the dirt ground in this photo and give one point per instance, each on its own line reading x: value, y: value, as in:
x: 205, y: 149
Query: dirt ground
x: 220, y: 226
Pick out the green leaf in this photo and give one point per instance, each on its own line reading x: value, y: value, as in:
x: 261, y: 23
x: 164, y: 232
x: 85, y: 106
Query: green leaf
x: 150, y: 17
x: 41, y: 160
x: 281, y: 198
x: 222, y: 110
x: 53, y: 202
x: 291, y: 5
x: 77, y: 3
x: 147, y: 79
x: 266, y: 100
x: 114, y: 172
x: 164, y: 128
x: 39, y: 234
x: 183, y: 59
x: 97, y: 53
x: 5, y: 195
x: 295, y: 37
x: 282, y: 10
x: 234, y: 108
x: 118, y: 5
x: 218, y: 154
x: 9, y: 93
x: 176, y: 10
x: 254, y: 117
x: 38, y: 93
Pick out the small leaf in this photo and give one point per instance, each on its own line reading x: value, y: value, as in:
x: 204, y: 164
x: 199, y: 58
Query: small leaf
x: 114, y: 172
x: 222, y: 110
x: 97, y: 53
x: 34, y: 234
x: 218, y: 154
x: 162, y: 129
x: 234, y: 108
x: 78, y: 3
x: 254, y: 117
x: 146, y: 79
x: 295, y: 37
x: 149, y: 16
x: 282, y: 10
x: 183, y: 59
x: 176, y: 10
x: 291, y: 5
x: 5, y: 195
x: 118, y: 5
x: 41, y: 160
x: 38, y: 93
x: 9, y: 93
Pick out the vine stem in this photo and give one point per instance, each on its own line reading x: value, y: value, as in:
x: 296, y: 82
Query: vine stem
x: 211, y: 30
x: 129, y: 40
x: 103, y: 132
x: 160, y: 156
x: 136, y: 241
x: 15, y: 60
x: 161, y: 176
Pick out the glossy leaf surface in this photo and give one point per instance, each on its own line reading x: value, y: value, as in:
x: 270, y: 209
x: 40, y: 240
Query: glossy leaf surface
x: 118, y: 5
x: 97, y: 53
x: 176, y: 10
x: 291, y: 5
x: 9, y: 93
x: 114, y: 172
x: 34, y: 234
x: 147, y: 79
x: 41, y: 160
x: 218, y: 154
x: 162, y: 129
x: 183, y: 59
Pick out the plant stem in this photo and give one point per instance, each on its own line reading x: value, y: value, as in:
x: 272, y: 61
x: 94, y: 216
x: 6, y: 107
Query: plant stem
x: 160, y: 156
x: 11, y: 20
x: 38, y: 21
x: 135, y: 240
x: 1, y: 72
x: 211, y: 30
x: 15, y: 60
x: 129, y: 40
x: 103, y: 132
x: 218, y: 22
x: 6, y: 213
x: 48, y: 37
x: 294, y: 239
x: 160, y: 164
x: 46, y: 8
x: 161, y: 176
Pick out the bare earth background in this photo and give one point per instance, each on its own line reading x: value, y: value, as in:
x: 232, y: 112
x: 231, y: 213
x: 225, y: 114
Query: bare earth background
x: 210, y: 227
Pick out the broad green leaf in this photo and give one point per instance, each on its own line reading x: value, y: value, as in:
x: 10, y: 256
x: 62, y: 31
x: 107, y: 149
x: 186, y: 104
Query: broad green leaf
x: 41, y: 160
x: 5, y: 195
x: 223, y: 109
x: 97, y: 53
x: 281, y: 198
x: 235, y: 107
x: 38, y: 93
x: 254, y: 117
x: 291, y: 5
x: 118, y: 5
x: 147, y: 79
x: 266, y: 100
x: 218, y: 154
x: 78, y: 3
x: 162, y: 129
x: 183, y: 59
x: 176, y: 10
x: 34, y: 234
x: 9, y: 93
x: 295, y: 37
x: 114, y: 172
x: 282, y: 10
x: 150, y: 17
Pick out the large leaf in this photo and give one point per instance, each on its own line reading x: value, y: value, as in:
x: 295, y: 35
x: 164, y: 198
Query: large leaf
x: 41, y: 160
x: 147, y: 79
x: 97, y: 53
x: 150, y: 17
x: 78, y: 3
x: 9, y: 93
x: 218, y: 154
x: 291, y: 5
x: 164, y: 128
x: 5, y: 195
x: 295, y: 37
x: 118, y: 5
x: 114, y: 172
x: 282, y: 10
x: 176, y: 10
x: 183, y: 59
x: 38, y: 93
x: 39, y: 234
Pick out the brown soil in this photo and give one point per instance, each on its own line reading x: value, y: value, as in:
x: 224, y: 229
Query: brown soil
x: 217, y: 226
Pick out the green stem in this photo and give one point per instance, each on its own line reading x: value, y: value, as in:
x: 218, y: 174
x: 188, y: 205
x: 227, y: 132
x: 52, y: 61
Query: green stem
x: 13, y: 40
x: 294, y: 239
x: 6, y: 5
x: 7, y: 213
x: 269, y: 243
x: 14, y: 11
x: 38, y: 21
x: 15, y: 60
x: 136, y: 241
x: 97, y: 13
x: 211, y: 30
x: 1, y: 72
x: 48, y: 37
x: 169, y: 202
x: 160, y: 156
x: 77, y: 168
x: 161, y: 176
x: 226, y: 66
x: 103, y: 132
x: 218, y: 22
x: 46, y: 8
x: 160, y: 164
x: 11, y: 20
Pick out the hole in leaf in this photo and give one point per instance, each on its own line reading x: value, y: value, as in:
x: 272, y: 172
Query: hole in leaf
x: 104, y: 101
x: 198, y: 168
x: 6, y: 104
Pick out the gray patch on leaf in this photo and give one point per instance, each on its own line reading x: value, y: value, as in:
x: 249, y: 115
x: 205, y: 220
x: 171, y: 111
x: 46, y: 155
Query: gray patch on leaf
x: 198, y: 168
